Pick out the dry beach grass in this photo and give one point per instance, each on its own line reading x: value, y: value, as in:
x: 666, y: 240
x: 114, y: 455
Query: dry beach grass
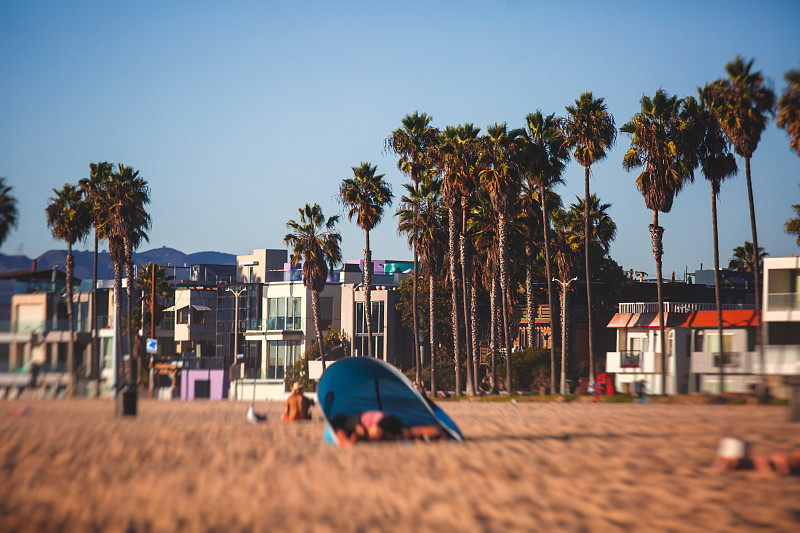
x: 199, y: 466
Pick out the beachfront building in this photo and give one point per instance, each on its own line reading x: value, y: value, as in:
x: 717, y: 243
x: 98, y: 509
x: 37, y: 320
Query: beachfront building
x: 781, y: 312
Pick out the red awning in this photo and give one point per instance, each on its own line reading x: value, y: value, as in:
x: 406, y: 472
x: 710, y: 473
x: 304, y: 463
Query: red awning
x: 734, y: 318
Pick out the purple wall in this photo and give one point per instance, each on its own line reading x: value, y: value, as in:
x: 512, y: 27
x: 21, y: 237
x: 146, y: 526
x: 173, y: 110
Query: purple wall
x: 218, y: 379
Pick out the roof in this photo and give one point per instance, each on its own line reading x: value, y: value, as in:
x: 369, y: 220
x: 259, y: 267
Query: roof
x: 644, y: 320
x: 736, y: 318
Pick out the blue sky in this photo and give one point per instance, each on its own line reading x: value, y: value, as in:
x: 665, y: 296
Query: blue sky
x: 238, y: 113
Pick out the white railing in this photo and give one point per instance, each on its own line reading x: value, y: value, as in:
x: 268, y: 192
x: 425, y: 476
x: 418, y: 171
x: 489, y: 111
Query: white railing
x: 675, y: 307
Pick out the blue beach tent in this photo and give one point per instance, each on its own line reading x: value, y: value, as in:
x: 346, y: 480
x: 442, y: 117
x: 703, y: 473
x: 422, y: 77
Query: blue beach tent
x: 357, y: 384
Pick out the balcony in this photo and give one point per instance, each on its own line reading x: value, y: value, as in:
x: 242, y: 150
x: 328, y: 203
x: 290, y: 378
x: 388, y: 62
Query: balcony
x: 630, y: 359
x: 676, y: 307
x: 785, y: 301
x: 727, y: 359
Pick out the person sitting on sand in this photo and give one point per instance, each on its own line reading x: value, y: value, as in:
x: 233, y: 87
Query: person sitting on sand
x: 297, y: 405
x: 379, y: 426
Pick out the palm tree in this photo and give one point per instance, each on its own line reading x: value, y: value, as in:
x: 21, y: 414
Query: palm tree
x: 659, y: 145
x: 602, y: 229
x: 789, y: 109
x: 483, y: 228
x: 150, y: 274
x: 457, y: 159
x: 316, y: 243
x: 742, y: 260
x: 366, y: 194
x: 123, y: 221
x: 8, y: 210
x: 742, y: 104
x: 69, y: 220
x: 567, y: 245
x: 589, y: 129
x: 94, y: 187
x: 501, y: 178
x: 415, y: 143
x: 420, y: 217
x: 551, y: 156
x: 717, y: 163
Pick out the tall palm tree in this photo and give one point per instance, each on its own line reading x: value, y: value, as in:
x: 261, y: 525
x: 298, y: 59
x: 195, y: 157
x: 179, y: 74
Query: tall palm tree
x: 69, y: 220
x: 789, y: 109
x: 94, y: 187
x: 743, y: 259
x: 501, y: 178
x: 123, y: 221
x: 133, y: 229
x: 415, y: 143
x: 659, y: 144
x: 743, y: 104
x: 483, y: 228
x: 567, y: 246
x: 546, y: 136
x: 316, y: 243
x: 366, y: 195
x: 710, y: 147
x: 457, y: 158
x: 589, y: 129
x: 420, y: 217
x: 8, y: 210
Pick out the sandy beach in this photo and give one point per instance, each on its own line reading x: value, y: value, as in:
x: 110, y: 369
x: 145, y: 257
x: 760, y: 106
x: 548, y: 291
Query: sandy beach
x: 199, y: 466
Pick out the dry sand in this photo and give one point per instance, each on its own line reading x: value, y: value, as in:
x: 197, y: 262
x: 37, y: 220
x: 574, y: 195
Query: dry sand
x: 199, y: 466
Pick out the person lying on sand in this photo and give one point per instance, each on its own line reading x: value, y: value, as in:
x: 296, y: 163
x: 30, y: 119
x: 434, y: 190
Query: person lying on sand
x: 735, y: 454
x: 297, y: 405
x: 379, y: 426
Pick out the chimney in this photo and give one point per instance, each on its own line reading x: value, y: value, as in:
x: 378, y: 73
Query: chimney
x: 33, y: 264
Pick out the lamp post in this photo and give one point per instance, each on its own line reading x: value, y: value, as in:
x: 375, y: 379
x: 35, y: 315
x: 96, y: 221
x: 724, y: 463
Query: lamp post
x: 236, y: 323
x: 564, y: 288
x: 355, y: 318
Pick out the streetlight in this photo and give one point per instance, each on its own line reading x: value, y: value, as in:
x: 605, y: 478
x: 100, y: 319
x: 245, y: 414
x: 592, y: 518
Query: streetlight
x: 236, y: 322
x: 355, y: 319
x: 564, y: 287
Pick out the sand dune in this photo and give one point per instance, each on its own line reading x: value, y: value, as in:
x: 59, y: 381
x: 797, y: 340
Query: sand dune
x: 199, y: 466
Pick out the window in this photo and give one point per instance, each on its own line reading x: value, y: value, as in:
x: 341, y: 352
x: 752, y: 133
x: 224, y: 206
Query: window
x: 698, y: 341
x: 282, y: 354
x: 183, y: 315
x: 637, y: 342
x: 377, y: 318
x: 713, y: 342
x: 284, y: 314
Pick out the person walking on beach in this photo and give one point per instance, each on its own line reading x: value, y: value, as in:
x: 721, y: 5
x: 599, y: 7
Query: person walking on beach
x: 297, y: 405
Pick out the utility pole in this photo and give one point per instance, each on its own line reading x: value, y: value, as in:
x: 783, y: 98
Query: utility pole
x: 151, y: 385
x: 564, y: 288
x: 236, y: 323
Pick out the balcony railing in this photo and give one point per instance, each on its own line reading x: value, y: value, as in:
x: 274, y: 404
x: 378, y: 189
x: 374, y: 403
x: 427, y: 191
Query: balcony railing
x: 274, y: 324
x: 630, y: 358
x: 675, y: 307
x: 783, y: 301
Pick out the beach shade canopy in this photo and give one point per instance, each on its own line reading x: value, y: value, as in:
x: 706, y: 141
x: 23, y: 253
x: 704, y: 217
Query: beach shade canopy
x: 357, y: 384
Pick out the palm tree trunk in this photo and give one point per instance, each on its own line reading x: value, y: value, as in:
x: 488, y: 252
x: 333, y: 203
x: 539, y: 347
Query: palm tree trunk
x: 465, y: 285
x: 588, y: 273
x: 414, y: 314
x: 71, y: 345
x: 315, y: 311
x: 451, y: 237
x: 545, y: 226
x: 432, y: 324
x: 756, y: 268
x: 564, y: 302
x: 95, y: 350
x: 501, y: 234
x: 367, y: 293
x: 493, y: 335
x: 529, y: 301
x: 474, y: 325
x: 716, y: 287
x: 656, y: 233
x: 117, y: 325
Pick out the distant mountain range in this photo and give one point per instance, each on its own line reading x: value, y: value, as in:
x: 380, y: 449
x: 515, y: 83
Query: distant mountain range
x: 84, y: 261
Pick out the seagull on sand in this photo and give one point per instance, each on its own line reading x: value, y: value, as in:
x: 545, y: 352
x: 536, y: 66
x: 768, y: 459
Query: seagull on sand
x: 253, y: 417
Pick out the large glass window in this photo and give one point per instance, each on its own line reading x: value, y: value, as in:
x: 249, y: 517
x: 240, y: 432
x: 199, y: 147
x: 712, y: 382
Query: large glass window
x: 282, y: 354
x: 284, y: 314
x: 377, y: 318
